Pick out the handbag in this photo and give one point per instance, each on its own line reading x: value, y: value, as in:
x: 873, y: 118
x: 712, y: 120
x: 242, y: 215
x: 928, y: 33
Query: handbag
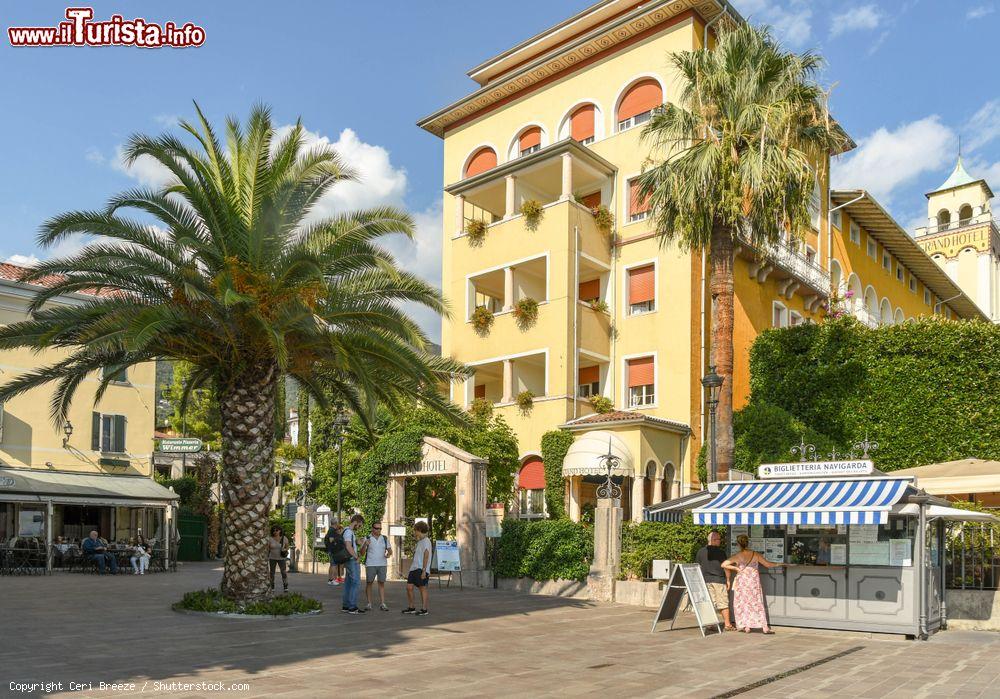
x: 283, y: 552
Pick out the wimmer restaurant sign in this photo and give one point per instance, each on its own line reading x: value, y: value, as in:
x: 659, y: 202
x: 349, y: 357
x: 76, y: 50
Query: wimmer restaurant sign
x: 817, y: 469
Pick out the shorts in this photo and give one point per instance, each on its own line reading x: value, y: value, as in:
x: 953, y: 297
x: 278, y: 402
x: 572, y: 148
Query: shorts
x: 416, y: 578
x: 375, y: 572
x: 719, y: 595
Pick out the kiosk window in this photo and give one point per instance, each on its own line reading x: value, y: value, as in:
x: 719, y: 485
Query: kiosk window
x: 820, y: 545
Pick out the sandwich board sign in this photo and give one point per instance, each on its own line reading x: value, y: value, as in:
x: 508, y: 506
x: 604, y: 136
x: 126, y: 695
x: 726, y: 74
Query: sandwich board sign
x: 447, y: 556
x: 687, y: 577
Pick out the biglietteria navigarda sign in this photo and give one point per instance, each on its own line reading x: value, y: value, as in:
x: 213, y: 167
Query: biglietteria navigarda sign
x: 817, y: 469
x: 180, y: 445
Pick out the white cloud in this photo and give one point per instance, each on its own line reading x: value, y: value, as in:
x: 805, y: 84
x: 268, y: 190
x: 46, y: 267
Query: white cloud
x: 791, y: 19
x: 94, y: 155
x: 980, y: 11
x: 23, y: 260
x: 864, y: 17
x: 886, y: 160
x: 146, y: 169
x: 984, y: 126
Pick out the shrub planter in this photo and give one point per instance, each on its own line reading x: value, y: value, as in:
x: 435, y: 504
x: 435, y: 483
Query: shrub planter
x: 482, y: 320
x: 526, y: 312
x: 210, y: 602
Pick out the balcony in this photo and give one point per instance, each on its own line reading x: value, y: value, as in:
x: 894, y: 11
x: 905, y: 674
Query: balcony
x: 501, y: 381
x: 983, y: 219
x: 789, y: 264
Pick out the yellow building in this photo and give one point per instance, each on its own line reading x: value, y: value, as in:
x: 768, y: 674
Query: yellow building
x: 962, y: 237
x: 95, y: 473
x: 556, y: 121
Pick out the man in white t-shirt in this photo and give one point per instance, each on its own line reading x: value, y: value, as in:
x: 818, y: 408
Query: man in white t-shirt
x: 376, y: 551
x: 420, y: 570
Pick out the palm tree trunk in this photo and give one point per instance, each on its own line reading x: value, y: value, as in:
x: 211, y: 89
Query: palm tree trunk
x: 721, y: 260
x: 246, y: 404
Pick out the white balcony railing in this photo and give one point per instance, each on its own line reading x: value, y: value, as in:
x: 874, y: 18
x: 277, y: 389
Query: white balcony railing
x: 795, y: 263
x: 985, y: 217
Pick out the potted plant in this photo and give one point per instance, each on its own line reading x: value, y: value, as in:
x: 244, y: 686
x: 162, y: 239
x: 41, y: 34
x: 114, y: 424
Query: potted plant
x: 600, y: 306
x: 482, y: 320
x: 526, y: 312
x: 604, y: 219
x: 525, y: 401
x: 481, y: 408
x: 532, y: 212
x: 476, y: 230
x: 601, y: 404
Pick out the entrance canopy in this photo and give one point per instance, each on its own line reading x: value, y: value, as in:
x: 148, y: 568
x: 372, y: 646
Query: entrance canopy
x: 584, y: 457
x: 848, y: 501
x: 32, y: 485
x: 961, y: 477
x: 953, y: 514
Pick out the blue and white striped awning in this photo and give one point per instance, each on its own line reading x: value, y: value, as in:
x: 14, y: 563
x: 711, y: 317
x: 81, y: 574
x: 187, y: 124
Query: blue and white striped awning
x: 853, y: 501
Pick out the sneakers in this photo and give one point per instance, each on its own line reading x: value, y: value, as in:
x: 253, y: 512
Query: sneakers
x: 335, y: 581
x: 383, y: 607
x: 340, y: 580
x: 355, y: 610
x: 368, y: 607
x: 409, y: 610
x: 422, y: 612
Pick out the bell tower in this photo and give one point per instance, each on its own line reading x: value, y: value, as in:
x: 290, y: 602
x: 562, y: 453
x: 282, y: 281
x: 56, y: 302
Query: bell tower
x: 962, y: 237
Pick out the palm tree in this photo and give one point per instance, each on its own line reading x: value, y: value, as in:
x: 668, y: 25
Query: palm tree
x: 241, y: 279
x: 737, y: 156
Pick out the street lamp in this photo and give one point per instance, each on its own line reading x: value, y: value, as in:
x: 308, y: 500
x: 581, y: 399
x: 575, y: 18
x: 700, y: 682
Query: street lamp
x: 712, y: 383
x: 609, y: 489
x: 68, y: 431
x: 340, y: 422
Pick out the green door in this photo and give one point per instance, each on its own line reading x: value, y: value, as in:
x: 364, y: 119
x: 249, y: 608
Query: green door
x: 193, y: 529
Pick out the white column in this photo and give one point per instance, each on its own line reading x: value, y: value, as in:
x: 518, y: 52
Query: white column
x: 638, y: 485
x: 508, y: 381
x: 574, y: 498
x: 508, y: 288
x: 470, y: 391
x: 567, y: 177
x: 510, y: 201
x: 983, y: 286
x: 459, y: 214
x: 657, y: 491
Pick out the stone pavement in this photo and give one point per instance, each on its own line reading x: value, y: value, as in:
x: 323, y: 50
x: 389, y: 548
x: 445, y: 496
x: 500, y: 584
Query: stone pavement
x: 87, y: 629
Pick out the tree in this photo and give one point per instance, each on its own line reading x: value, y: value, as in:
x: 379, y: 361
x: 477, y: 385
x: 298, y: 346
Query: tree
x: 242, y: 277
x: 198, y: 416
x: 737, y: 157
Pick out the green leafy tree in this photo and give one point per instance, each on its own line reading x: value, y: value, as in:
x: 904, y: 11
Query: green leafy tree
x: 244, y: 280
x: 735, y: 157
x: 199, y: 415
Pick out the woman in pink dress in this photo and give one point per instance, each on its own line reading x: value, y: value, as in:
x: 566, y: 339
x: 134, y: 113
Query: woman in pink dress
x: 748, y: 597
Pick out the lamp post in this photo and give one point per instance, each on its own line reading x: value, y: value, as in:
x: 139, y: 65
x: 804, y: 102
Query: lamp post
x: 609, y: 489
x: 68, y: 431
x: 340, y: 422
x: 712, y: 383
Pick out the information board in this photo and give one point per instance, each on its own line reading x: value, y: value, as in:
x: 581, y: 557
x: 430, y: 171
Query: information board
x: 774, y: 550
x: 687, y: 578
x: 876, y: 554
x: 863, y: 534
x: 446, y: 556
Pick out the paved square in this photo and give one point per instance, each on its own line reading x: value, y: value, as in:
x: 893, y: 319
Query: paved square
x: 87, y: 629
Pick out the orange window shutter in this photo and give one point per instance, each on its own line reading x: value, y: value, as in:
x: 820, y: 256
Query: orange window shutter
x: 484, y: 159
x: 640, y: 372
x: 589, y: 374
x: 641, y: 97
x: 581, y: 123
x: 530, y: 138
x: 637, y: 203
x: 532, y: 474
x: 480, y: 391
x: 590, y: 290
x: 592, y: 201
x: 641, y: 284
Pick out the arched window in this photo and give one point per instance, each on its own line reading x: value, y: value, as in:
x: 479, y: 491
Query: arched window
x: 482, y: 160
x: 531, y: 488
x: 885, y: 313
x: 899, y: 318
x: 965, y: 213
x: 669, y: 474
x: 836, y: 278
x: 529, y: 141
x: 943, y: 218
x: 637, y: 104
x: 583, y: 124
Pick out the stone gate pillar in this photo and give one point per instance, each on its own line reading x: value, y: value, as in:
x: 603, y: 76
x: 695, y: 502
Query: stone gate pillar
x: 607, y: 550
x: 395, y: 513
x: 470, y: 516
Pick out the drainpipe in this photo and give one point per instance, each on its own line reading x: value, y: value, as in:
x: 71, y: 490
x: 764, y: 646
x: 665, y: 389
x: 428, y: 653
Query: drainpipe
x: 574, y: 384
x: 829, y: 222
x: 723, y: 11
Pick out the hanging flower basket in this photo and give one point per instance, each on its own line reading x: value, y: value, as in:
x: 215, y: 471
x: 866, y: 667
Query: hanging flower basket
x: 476, y: 230
x: 526, y: 312
x: 525, y: 401
x: 482, y: 320
x: 600, y: 306
x: 604, y: 219
x: 532, y: 212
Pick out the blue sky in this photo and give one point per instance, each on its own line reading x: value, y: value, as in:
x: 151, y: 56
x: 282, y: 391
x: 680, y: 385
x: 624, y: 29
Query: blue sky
x: 909, y: 77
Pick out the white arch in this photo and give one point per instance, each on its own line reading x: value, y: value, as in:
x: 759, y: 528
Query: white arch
x: 564, y: 122
x: 513, y: 150
x: 899, y: 318
x: 628, y: 84
x: 527, y: 455
x: 652, y: 470
x: 854, y: 284
x: 476, y: 149
x: 871, y: 301
x: 670, y: 476
x: 885, y: 312
x: 836, y: 277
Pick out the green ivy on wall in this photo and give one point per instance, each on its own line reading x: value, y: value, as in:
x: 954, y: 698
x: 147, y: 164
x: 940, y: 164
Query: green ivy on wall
x: 555, y: 444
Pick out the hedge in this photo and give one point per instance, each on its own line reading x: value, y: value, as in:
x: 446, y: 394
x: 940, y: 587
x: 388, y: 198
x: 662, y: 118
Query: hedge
x: 643, y: 542
x: 925, y: 390
x: 546, y: 549
x: 555, y: 444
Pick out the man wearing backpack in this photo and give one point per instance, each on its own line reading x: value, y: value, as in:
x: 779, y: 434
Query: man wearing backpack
x: 337, y: 552
x: 376, y: 551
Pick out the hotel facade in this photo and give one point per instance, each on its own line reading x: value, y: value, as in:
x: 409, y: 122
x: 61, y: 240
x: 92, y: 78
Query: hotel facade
x: 556, y: 122
x: 93, y: 473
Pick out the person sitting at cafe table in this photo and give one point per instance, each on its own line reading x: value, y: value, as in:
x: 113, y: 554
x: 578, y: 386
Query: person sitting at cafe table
x: 96, y: 549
